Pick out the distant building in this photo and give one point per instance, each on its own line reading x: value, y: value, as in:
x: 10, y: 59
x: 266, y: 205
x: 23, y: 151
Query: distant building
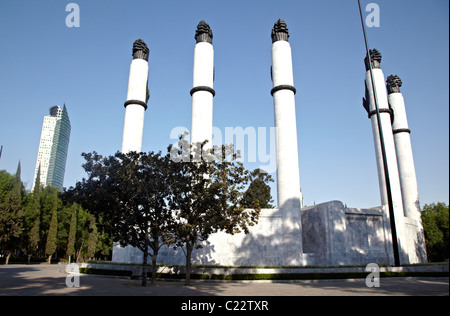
x: 53, y: 146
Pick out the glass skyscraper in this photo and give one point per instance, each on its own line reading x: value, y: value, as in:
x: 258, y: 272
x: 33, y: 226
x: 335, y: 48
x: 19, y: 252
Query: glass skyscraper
x: 53, y: 147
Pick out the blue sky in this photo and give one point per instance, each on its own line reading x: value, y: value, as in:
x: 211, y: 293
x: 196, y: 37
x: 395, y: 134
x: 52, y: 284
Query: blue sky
x: 44, y: 63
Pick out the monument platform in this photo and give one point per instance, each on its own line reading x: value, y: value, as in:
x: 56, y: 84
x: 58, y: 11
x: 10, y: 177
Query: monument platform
x: 331, y: 235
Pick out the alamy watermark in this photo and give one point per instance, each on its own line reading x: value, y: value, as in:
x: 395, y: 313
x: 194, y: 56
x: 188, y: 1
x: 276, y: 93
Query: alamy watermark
x: 373, y: 278
x: 254, y: 144
x: 373, y: 18
x: 73, y: 275
x: 73, y: 18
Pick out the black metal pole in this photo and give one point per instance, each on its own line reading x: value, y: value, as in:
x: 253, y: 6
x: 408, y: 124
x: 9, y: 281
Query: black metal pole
x: 383, y: 150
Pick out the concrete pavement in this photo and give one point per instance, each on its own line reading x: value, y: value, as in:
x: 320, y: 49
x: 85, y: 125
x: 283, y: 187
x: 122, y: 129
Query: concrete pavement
x: 43, y: 279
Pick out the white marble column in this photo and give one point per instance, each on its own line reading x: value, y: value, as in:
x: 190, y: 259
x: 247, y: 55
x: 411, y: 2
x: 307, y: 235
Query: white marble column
x: 388, y: 138
x: 288, y: 175
x: 137, y: 97
x: 283, y: 92
x: 135, y: 106
x: 202, y: 92
x: 407, y: 171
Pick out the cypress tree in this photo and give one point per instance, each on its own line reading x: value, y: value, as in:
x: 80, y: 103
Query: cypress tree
x: 33, y: 235
x: 258, y: 193
x: 50, y: 247
x: 11, y: 214
x: 72, y: 232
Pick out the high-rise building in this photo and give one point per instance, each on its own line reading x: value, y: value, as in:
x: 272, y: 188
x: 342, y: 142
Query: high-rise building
x: 53, y: 146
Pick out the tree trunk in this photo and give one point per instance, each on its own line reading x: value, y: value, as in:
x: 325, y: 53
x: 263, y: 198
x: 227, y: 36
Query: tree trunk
x: 189, y: 249
x: 29, y: 258
x: 144, y: 269
x: 49, y: 259
x: 154, y: 269
x: 78, y: 253
x: 7, y: 257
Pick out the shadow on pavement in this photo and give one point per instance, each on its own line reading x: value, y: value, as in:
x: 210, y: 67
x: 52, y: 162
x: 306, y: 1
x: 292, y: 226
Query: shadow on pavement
x: 44, y: 279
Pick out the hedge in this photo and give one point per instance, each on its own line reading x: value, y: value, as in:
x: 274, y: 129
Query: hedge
x: 266, y: 276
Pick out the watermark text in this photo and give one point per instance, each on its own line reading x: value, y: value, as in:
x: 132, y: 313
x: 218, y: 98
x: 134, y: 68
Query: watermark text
x: 373, y: 279
x: 373, y: 18
x: 73, y: 18
x: 73, y: 277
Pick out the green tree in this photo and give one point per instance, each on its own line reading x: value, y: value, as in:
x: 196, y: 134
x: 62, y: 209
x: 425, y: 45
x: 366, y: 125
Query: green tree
x: 72, y: 232
x: 93, y: 194
x: 6, y: 185
x: 47, y: 201
x: 149, y: 200
x: 435, y: 218
x: 32, y: 220
x: 258, y: 192
x: 93, y: 237
x: 82, y: 233
x: 47, y: 196
x: 11, y: 215
x: 104, y: 243
x: 207, y: 190
x: 135, y: 189
x: 50, y: 247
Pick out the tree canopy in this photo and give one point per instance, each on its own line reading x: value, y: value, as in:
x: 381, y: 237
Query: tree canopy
x: 35, y: 225
x: 435, y: 218
x: 134, y: 187
x: 208, y: 195
x: 149, y: 199
x: 11, y: 212
x: 259, y: 190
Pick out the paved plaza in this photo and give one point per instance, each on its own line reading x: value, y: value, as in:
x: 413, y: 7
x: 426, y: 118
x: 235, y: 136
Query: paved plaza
x: 43, y: 279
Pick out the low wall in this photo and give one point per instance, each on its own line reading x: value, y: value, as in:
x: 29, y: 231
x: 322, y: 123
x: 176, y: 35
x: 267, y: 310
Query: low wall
x: 329, y: 234
x: 262, y: 246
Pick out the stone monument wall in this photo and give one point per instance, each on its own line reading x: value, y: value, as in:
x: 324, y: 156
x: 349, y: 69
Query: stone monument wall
x: 336, y: 235
x: 332, y: 235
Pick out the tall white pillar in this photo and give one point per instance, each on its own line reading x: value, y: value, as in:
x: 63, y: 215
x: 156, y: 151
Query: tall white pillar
x: 137, y: 98
x: 288, y: 175
x: 407, y: 171
x: 202, y: 92
x: 388, y: 138
x: 283, y: 92
x: 135, y: 106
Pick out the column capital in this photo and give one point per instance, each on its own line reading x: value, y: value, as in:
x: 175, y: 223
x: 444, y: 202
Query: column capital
x: 393, y: 84
x: 203, y: 33
x: 375, y: 57
x: 140, y: 50
x: 280, y: 31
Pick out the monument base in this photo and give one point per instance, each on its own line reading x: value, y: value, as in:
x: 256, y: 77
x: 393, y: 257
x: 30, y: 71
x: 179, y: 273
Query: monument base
x: 332, y: 235
x: 263, y: 246
x: 335, y: 235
